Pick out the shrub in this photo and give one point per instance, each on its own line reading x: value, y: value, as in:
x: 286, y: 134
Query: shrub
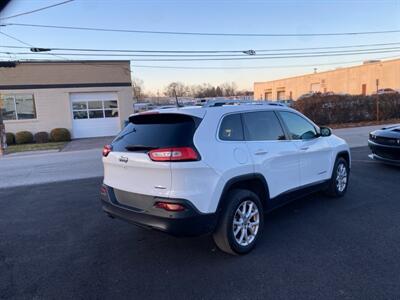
x: 23, y: 137
x: 339, y: 109
x: 41, y: 137
x: 60, y: 135
x: 10, y: 138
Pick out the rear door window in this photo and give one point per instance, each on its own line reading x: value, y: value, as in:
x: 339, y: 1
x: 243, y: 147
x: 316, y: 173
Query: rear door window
x: 231, y: 128
x: 262, y: 126
x: 150, y: 131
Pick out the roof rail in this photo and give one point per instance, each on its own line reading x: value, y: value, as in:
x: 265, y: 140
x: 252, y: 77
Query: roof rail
x: 217, y: 103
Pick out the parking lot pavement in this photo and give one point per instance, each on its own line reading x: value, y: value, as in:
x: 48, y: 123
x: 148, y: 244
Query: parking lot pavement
x: 55, y: 242
x: 78, y: 161
x: 89, y: 143
x: 357, y: 136
x: 49, y: 167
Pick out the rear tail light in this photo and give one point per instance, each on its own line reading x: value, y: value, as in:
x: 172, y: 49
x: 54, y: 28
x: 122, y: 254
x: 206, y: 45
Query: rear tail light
x: 106, y: 150
x: 174, y: 154
x: 170, y: 206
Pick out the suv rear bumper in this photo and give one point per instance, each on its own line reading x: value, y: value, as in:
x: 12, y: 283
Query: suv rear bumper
x: 189, y: 222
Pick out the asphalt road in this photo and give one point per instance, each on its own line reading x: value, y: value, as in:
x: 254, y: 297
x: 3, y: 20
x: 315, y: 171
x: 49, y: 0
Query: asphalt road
x: 56, y: 243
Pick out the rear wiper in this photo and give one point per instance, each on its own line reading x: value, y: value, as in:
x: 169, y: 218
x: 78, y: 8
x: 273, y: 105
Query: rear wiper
x: 126, y: 133
x: 139, y: 147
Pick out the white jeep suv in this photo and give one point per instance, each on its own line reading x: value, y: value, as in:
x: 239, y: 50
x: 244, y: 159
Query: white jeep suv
x: 195, y: 170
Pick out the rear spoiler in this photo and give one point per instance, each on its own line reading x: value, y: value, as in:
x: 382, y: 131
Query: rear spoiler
x: 164, y: 118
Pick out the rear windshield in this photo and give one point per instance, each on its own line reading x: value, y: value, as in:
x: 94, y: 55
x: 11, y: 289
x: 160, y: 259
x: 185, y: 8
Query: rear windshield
x: 146, y: 132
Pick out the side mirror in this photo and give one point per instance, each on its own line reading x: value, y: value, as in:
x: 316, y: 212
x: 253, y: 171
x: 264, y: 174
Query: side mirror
x: 325, y: 131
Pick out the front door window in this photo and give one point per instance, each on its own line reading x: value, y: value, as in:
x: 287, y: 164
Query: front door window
x: 299, y: 128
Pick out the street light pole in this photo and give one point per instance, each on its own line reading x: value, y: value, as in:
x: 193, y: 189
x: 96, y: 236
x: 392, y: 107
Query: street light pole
x: 3, y: 142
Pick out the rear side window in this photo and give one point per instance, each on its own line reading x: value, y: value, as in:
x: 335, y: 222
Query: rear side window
x: 149, y: 131
x: 262, y: 126
x: 231, y: 128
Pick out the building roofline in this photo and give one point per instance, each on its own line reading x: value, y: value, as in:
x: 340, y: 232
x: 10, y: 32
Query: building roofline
x: 334, y: 70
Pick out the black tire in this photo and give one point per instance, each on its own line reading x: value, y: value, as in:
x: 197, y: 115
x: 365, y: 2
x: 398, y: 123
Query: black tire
x: 224, y: 236
x: 333, y: 190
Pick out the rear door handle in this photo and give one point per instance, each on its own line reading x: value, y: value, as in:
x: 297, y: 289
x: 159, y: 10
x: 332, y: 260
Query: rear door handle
x: 261, y: 152
x: 304, y: 148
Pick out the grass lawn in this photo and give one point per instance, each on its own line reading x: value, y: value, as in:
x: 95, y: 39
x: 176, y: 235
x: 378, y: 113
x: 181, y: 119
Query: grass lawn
x: 34, y: 147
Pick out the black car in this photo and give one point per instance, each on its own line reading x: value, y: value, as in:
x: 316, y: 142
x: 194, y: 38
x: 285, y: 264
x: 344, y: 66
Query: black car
x: 385, y: 144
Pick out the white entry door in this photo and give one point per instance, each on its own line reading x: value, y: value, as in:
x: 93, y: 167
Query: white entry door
x: 95, y: 114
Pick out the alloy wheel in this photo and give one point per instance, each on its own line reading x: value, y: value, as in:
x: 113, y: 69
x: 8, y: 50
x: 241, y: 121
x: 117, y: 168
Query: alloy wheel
x: 341, y: 177
x: 246, y: 223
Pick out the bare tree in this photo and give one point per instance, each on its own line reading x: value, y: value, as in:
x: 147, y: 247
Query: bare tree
x: 138, y: 86
x: 204, y: 90
x: 218, y: 92
x: 229, y: 89
x: 180, y: 89
x: 194, y: 90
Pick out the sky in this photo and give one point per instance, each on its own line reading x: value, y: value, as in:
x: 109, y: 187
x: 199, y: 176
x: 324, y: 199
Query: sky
x: 322, y: 16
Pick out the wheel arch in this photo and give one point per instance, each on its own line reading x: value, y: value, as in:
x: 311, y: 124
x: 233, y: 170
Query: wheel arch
x: 344, y: 154
x: 254, y: 181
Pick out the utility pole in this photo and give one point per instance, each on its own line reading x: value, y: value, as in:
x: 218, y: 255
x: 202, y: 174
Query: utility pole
x: 3, y: 141
x: 377, y: 100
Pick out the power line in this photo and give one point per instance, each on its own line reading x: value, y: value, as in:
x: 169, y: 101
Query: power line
x: 202, y: 51
x: 255, y: 67
x: 266, y: 57
x: 27, y: 44
x: 223, y: 67
x: 36, y: 10
x: 203, y: 33
x: 355, y: 51
x: 15, y: 39
x: 235, y: 58
x: 55, y: 55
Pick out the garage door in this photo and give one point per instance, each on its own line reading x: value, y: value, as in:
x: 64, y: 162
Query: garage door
x: 94, y: 114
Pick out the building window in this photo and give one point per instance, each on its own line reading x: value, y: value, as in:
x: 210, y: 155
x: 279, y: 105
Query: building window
x: 280, y: 95
x: 268, y: 95
x: 18, y: 107
x: 364, y: 89
x: 95, y: 109
x: 315, y: 87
